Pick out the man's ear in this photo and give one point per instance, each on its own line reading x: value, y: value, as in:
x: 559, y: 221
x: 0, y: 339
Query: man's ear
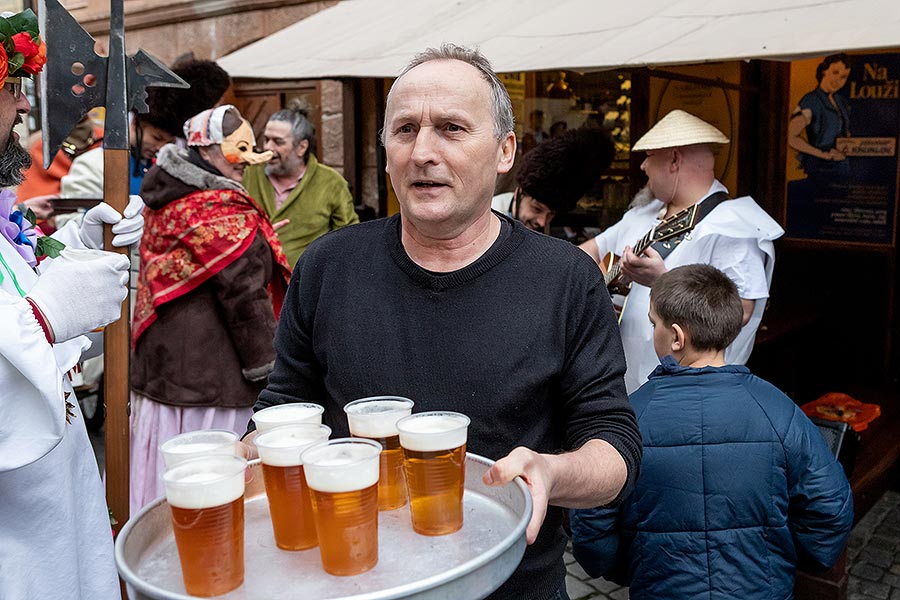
x: 507, y: 153
x: 301, y: 148
x: 677, y: 159
x: 679, y: 340
x: 204, y: 152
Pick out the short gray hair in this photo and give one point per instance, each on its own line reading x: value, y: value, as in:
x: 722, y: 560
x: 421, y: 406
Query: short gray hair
x: 501, y: 106
x: 296, y: 114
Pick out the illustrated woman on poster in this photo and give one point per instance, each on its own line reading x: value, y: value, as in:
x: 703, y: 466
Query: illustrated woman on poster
x: 825, y: 116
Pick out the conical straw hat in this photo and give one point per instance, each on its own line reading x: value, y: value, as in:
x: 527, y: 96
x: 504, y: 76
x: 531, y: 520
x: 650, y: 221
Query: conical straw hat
x: 679, y: 128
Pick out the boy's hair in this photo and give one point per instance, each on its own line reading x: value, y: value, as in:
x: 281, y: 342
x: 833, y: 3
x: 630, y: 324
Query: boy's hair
x: 703, y: 301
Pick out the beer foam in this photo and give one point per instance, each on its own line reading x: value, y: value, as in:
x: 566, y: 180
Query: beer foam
x: 198, y: 443
x: 376, y: 418
x: 433, y: 432
x: 343, y: 467
x: 281, y: 447
x: 287, y: 414
x: 205, y: 482
x: 194, y: 448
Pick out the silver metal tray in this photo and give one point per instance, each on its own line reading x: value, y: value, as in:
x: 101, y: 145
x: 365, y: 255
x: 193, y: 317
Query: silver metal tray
x: 466, y: 565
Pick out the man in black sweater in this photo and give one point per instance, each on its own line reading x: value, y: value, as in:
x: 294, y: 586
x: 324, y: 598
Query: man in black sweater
x: 460, y: 308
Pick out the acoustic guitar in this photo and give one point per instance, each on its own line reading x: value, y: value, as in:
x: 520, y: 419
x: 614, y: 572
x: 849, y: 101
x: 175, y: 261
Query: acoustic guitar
x: 670, y: 233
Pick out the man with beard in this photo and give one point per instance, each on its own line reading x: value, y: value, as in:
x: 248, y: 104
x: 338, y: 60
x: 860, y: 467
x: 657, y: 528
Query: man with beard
x: 733, y: 235
x: 55, y: 537
x: 303, y: 198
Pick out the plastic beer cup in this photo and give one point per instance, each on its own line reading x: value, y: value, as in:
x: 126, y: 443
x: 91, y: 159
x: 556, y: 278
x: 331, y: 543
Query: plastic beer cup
x: 342, y: 475
x: 376, y: 419
x: 434, y: 447
x: 287, y: 414
x: 289, y: 503
x: 206, y: 497
x: 194, y: 444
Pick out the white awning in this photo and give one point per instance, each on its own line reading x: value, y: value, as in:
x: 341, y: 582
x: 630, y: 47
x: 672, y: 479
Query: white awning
x: 375, y: 38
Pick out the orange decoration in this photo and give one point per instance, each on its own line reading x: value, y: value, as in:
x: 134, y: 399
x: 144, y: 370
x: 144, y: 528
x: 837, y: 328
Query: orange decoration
x: 835, y: 406
x: 36, y: 63
x: 24, y: 44
x: 4, y: 65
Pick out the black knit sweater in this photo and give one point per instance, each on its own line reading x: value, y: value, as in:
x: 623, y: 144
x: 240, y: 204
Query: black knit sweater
x: 523, y: 341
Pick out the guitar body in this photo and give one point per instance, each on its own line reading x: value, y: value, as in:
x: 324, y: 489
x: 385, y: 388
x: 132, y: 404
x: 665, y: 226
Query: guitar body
x: 616, y: 283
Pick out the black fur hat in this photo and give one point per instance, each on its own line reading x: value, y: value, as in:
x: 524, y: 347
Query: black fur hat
x: 561, y: 170
x: 171, y: 107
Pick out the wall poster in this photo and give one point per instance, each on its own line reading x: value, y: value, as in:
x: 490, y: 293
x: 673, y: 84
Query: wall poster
x: 842, y: 148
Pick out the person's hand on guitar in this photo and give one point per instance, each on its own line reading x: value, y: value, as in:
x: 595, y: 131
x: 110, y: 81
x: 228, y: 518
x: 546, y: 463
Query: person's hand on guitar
x: 644, y: 269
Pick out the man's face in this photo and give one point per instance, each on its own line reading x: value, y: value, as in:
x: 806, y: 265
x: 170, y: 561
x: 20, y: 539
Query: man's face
x: 535, y: 215
x: 287, y: 158
x: 443, y: 155
x: 660, y: 169
x: 153, y: 138
x: 12, y: 110
x: 834, y: 77
x: 13, y: 157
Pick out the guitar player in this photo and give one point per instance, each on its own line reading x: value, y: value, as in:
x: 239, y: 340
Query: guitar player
x: 734, y: 235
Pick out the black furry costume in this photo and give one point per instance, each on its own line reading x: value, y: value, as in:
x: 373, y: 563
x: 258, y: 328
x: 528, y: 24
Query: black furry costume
x: 171, y: 107
x: 561, y: 170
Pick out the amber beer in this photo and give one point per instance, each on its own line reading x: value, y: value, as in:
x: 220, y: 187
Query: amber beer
x: 342, y: 475
x: 194, y: 444
x: 286, y: 489
x: 376, y: 419
x: 206, y: 497
x: 434, y: 446
x: 287, y: 414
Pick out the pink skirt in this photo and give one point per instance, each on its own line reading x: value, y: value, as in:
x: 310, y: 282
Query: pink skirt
x: 152, y: 424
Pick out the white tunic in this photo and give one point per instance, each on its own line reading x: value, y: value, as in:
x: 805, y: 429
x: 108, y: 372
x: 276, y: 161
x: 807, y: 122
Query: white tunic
x: 735, y: 237
x: 55, y: 537
x: 502, y: 203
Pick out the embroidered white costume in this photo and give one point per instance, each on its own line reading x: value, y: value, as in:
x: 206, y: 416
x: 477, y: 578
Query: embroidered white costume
x: 55, y: 538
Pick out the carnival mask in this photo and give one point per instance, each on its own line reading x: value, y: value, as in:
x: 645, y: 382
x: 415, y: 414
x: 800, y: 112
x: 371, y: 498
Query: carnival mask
x: 238, y: 147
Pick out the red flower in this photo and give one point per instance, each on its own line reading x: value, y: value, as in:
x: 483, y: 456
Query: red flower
x: 4, y: 65
x: 24, y: 44
x: 35, y: 63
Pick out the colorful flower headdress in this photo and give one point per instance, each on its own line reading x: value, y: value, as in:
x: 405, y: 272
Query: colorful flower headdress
x: 22, y: 51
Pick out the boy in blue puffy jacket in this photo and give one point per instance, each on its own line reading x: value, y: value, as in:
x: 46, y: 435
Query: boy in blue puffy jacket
x: 737, y: 486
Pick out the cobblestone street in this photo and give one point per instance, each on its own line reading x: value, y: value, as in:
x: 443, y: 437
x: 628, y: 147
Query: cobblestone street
x: 874, y: 553
x: 873, y: 559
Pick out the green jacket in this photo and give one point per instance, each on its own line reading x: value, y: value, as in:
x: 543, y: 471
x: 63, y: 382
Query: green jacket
x: 320, y: 203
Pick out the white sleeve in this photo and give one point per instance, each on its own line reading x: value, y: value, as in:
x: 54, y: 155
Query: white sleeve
x: 32, y: 400
x: 85, y: 177
x: 606, y: 240
x: 744, y: 263
x: 69, y: 234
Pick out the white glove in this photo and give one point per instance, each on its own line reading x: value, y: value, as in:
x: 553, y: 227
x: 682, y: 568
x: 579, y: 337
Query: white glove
x: 127, y: 230
x: 81, y: 290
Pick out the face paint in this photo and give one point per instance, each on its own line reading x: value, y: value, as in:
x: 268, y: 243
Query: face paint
x: 238, y: 147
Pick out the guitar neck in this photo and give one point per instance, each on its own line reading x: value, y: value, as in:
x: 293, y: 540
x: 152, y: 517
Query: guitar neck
x: 644, y: 243
x: 682, y: 222
x: 641, y: 245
